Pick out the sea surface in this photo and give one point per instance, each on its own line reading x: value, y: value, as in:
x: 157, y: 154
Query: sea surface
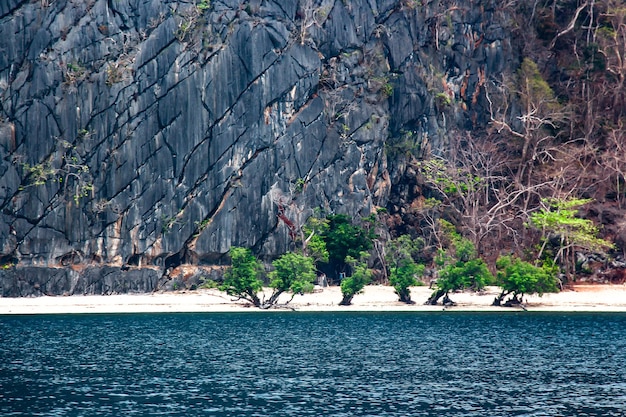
x: 314, y: 364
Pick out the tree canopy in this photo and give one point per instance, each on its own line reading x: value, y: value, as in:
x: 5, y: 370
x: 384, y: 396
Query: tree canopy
x: 517, y: 278
x: 460, y: 269
x: 345, y: 239
x: 558, y: 217
x: 294, y: 273
x: 403, y: 270
x: 243, y: 278
x: 354, y: 284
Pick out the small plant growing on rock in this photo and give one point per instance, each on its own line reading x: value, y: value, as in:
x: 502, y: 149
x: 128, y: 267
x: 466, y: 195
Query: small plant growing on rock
x: 73, y: 73
x: 203, y: 5
x: 387, y: 90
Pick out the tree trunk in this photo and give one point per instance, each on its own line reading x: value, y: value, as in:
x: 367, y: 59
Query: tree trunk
x: 347, y: 300
x: 515, y: 301
x: 254, y: 299
x: 498, y: 300
x: 435, y: 297
x: 405, y: 296
x: 447, y: 301
x: 272, y: 300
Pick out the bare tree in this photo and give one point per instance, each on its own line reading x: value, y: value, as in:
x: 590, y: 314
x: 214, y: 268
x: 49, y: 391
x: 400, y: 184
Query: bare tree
x: 472, y: 184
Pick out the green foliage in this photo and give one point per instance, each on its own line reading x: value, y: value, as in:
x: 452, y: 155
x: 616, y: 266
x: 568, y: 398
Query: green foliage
x: 354, y: 284
x: 208, y: 284
x: 534, y: 90
x: 317, y: 248
x: 315, y: 245
x: 203, y: 5
x: 559, y: 217
x: 403, y: 271
x: 167, y: 223
x: 448, y: 228
x: 460, y: 267
x: 387, y: 90
x: 74, y: 72
x: 344, y: 239
x: 299, y: 185
x: 472, y: 274
x: 201, y: 225
x: 464, y: 249
x: 72, y: 175
x: 293, y: 273
x: 407, y: 144
x: 448, y: 180
x: 517, y: 277
x: 243, y: 278
x: 404, y: 276
x: 532, y: 82
x: 39, y: 174
x: 442, y: 100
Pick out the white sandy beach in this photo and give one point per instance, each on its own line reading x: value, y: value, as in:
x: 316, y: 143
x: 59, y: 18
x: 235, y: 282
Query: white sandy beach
x: 597, y: 298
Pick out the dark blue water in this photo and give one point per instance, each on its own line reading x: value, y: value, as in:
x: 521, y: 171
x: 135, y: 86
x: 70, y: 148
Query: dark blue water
x: 317, y: 364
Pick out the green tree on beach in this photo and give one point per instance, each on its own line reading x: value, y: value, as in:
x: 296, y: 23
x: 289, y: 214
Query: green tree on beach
x: 345, y: 239
x: 518, y: 278
x: 243, y: 278
x: 460, y: 268
x: 292, y: 273
x: 403, y: 271
x: 354, y: 284
x: 558, y: 218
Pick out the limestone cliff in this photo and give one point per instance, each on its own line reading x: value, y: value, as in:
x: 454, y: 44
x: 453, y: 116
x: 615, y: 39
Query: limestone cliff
x: 156, y: 133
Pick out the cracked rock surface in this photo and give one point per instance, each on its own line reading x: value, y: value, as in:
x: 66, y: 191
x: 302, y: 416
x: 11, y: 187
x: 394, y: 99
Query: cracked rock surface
x: 146, y: 134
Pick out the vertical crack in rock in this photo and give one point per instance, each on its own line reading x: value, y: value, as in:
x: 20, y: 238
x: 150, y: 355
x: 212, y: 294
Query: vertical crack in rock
x: 186, y: 136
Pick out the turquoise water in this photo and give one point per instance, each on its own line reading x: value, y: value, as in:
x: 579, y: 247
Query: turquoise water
x: 314, y: 364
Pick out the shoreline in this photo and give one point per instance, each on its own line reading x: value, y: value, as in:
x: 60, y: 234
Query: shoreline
x: 375, y: 298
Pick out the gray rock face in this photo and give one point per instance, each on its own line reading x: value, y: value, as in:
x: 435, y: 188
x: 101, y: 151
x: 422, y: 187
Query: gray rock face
x: 34, y: 281
x: 161, y: 132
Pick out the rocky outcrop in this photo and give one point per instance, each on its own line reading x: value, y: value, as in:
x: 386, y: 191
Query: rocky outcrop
x: 34, y: 281
x: 27, y: 281
x: 159, y: 132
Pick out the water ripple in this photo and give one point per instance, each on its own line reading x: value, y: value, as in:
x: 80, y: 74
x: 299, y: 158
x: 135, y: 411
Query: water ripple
x: 392, y: 364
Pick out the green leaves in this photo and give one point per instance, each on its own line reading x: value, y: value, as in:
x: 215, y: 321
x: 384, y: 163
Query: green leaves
x: 404, y: 276
x: 559, y: 217
x: 404, y: 271
x: 518, y: 277
x: 242, y: 279
x: 314, y: 244
x: 354, y: 284
x: 460, y: 267
x: 293, y: 272
x: 345, y: 239
x: 531, y: 82
x: 461, y: 275
x: 449, y: 180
